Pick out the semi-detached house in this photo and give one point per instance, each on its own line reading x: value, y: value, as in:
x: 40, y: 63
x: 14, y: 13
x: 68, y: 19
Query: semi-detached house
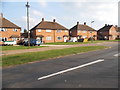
x: 8, y: 30
x: 48, y: 32
x: 82, y: 31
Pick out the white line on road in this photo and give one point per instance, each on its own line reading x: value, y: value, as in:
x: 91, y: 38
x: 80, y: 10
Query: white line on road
x: 70, y: 69
x: 116, y: 55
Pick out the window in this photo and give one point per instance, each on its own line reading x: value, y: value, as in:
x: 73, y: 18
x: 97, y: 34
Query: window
x: 84, y: 31
x: 14, y: 39
x: 3, y: 39
x: 66, y: 30
x: 59, y: 38
x: 48, y: 30
x: 59, y: 30
x: 3, y: 29
x: 39, y: 30
x: 48, y: 38
x: 15, y: 30
x: 78, y: 30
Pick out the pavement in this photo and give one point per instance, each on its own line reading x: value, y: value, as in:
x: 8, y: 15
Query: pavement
x: 50, y: 47
x: 95, y: 69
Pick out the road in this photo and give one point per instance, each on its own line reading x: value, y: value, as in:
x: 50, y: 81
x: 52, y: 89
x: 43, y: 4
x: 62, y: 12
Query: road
x: 95, y: 69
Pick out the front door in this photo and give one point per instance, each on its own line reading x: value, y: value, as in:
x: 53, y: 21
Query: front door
x: 65, y: 39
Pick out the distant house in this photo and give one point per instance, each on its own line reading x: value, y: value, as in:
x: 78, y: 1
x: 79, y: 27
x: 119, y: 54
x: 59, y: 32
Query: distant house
x: 108, y: 32
x: 8, y: 30
x: 48, y: 32
x: 24, y: 36
x: 82, y: 31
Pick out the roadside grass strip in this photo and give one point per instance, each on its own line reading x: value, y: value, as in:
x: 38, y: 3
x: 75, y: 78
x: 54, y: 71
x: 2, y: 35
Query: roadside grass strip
x: 11, y: 60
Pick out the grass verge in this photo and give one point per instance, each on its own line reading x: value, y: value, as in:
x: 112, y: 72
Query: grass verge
x: 11, y: 60
x: 72, y: 43
x: 5, y: 48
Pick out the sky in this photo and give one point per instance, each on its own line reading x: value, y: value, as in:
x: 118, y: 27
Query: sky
x: 66, y: 12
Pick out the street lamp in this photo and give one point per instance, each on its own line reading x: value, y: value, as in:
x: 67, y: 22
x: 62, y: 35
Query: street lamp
x: 28, y: 6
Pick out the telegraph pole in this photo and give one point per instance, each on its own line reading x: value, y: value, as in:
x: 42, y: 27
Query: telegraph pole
x: 91, y: 31
x: 28, y: 6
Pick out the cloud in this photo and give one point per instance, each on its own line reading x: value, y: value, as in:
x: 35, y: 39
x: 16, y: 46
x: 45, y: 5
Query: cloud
x: 36, y: 13
x: 43, y: 3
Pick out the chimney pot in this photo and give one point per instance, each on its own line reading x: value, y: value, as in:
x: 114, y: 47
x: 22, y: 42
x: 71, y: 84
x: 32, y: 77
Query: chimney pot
x: 1, y: 15
x: 53, y: 20
x: 42, y: 19
x: 84, y: 23
x: 77, y: 23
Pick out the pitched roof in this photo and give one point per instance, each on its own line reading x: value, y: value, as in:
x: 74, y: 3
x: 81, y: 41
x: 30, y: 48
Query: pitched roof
x: 49, y: 25
x: 7, y: 24
x: 82, y: 27
x: 105, y: 28
x: 117, y: 29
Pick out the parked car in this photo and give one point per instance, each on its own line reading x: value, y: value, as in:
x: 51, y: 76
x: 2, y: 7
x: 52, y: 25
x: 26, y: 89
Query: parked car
x: 33, y: 42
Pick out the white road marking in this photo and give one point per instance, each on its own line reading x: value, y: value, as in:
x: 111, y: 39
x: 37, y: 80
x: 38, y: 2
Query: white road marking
x: 70, y: 69
x: 116, y: 55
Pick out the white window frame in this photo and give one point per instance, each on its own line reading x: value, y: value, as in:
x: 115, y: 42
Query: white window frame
x: 78, y: 30
x: 39, y: 30
x: 2, y: 39
x: 59, y: 37
x: 48, y: 38
x: 15, y: 29
x: 3, y: 29
x: 84, y: 31
x: 14, y: 39
x: 66, y: 30
x: 58, y: 31
x: 48, y: 30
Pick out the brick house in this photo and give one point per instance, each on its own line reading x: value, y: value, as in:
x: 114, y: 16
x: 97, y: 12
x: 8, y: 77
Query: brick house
x: 82, y: 31
x: 48, y: 32
x: 8, y: 30
x: 108, y: 32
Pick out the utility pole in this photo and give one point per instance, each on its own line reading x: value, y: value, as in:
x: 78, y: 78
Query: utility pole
x: 28, y: 6
x: 91, y: 31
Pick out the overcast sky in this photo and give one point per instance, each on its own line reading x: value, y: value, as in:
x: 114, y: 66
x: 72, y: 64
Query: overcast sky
x: 66, y: 12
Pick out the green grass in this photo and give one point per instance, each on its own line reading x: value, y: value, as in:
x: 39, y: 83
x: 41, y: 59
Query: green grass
x: 5, y: 48
x: 11, y: 60
x: 72, y: 43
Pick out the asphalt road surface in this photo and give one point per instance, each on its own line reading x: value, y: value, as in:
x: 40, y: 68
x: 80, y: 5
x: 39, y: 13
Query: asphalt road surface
x: 95, y: 69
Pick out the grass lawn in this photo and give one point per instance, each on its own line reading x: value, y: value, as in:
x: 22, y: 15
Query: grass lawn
x: 72, y: 43
x: 5, y: 48
x: 11, y: 60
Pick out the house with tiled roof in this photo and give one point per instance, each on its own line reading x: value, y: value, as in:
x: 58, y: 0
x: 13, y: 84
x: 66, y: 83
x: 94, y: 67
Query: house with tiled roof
x: 8, y: 30
x: 82, y: 31
x: 108, y: 32
x: 48, y: 32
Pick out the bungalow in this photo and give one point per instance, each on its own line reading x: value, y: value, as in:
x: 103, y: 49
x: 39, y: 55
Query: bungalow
x: 108, y: 32
x: 82, y: 31
x: 8, y: 30
x: 48, y: 32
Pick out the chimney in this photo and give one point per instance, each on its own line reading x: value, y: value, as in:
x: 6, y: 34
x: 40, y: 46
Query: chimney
x: 77, y: 23
x: 42, y: 19
x: 1, y: 15
x: 116, y: 26
x: 105, y: 24
x: 84, y: 23
x: 53, y: 20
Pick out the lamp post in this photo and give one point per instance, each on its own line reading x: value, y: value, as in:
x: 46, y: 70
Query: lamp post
x: 28, y: 6
x: 91, y: 31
